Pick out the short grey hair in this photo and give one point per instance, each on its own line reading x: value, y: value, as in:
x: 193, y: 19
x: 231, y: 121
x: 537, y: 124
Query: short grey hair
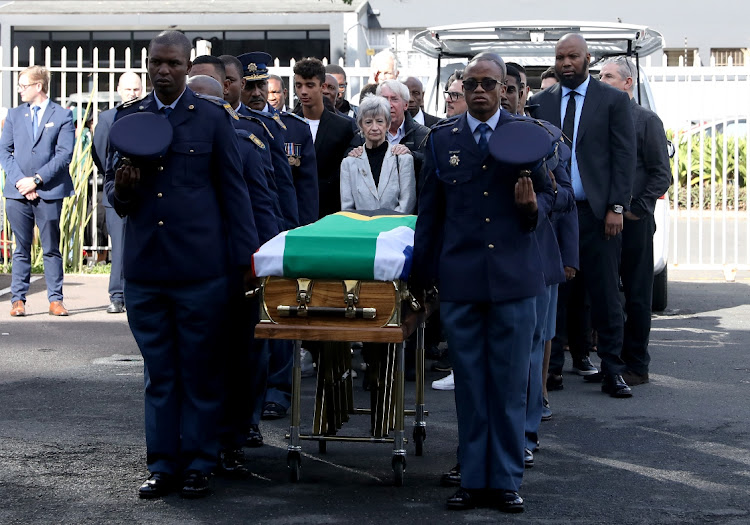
x: 625, y: 68
x: 395, y: 86
x: 373, y: 106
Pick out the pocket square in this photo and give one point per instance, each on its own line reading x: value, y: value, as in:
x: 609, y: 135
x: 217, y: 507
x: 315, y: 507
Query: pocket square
x: 49, y: 124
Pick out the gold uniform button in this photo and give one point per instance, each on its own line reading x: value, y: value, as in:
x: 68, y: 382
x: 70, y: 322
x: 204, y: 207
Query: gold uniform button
x: 160, y: 195
x: 486, y: 194
x: 487, y: 219
x: 160, y: 168
x: 491, y: 246
x: 161, y: 223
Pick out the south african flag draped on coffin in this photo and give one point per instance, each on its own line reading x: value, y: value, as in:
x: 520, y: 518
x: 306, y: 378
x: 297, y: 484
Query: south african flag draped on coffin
x: 369, y: 245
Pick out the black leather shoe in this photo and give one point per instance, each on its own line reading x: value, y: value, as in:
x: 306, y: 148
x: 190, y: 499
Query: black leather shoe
x: 634, y: 378
x: 194, y: 485
x: 594, y: 378
x: 273, y: 410
x: 232, y: 464
x: 157, y: 485
x: 554, y: 382
x: 615, y: 386
x: 584, y: 367
x: 452, y: 478
x: 507, y: 501
x: 464, y: 499
x: 528, y: 458
x: 116, y: 307
x: 254, y: 437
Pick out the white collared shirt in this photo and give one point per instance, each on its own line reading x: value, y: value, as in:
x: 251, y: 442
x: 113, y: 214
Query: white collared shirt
x: 42, y: 106
x: 419, y: 117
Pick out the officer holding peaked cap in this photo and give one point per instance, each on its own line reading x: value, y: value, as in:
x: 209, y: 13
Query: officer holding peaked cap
x: 141, y: 139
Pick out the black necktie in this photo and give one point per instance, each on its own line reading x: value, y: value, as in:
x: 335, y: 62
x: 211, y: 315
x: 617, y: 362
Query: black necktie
x: 570, y: 120
x: 483, y: 143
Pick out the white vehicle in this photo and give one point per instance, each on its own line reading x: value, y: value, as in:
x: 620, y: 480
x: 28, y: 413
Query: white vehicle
x: 532, y: 44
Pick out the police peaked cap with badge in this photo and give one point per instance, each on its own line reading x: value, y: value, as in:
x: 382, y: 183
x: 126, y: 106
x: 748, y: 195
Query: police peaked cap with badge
x: 141, y: 139
x: 255, y: 65
x: 529, y: 145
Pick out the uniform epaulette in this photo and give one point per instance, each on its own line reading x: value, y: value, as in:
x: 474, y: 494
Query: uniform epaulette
x: 219, y: 102
x: 129, y: 103
x: 251, y: 137
x: 258, y: 121
x: 293, y: 115
x: 273, y: 116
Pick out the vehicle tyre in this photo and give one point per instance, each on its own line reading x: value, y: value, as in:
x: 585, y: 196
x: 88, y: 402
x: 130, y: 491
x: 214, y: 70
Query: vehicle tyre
x: 659, y: 297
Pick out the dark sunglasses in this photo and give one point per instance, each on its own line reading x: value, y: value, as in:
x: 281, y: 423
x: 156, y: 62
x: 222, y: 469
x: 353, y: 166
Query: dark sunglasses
x: 453, y: 95
x: 488, y: 84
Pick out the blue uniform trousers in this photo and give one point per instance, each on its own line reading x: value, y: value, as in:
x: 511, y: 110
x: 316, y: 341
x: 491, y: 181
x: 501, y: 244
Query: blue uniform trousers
x: 490, y: 350
x: 179, y: 338
x: 116, y: 229
x: 534, y: 392
x: 21, y: 215
x: 280, y: 364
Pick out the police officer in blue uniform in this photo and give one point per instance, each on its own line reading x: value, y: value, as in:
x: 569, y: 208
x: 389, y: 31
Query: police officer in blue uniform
x: 255, y: 73
x: 184, y: 212
x: 244, y: 378
x: 475, y: 239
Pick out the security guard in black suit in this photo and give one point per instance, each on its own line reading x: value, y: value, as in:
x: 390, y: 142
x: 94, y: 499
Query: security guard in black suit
x: 184, y: 214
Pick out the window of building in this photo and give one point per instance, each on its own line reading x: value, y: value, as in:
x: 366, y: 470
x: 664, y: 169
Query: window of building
x: 689, y: 56
x: 724, y: 55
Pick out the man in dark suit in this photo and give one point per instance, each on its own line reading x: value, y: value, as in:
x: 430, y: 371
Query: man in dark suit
x: 416, y: 103
x: 475, y: 230
x: 189, y: 227
x: 129, y: 87
x: 36, y: 148
x: 652, y: 179
x: 597, y: 124
x: 331, y: 133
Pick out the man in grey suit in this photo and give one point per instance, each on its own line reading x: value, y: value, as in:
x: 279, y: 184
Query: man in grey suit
x: 597, y: 125
x: 36, y: 148
x: 129, y: 87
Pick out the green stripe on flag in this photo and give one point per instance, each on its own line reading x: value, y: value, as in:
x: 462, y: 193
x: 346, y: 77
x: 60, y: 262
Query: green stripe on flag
x: 338, y: 245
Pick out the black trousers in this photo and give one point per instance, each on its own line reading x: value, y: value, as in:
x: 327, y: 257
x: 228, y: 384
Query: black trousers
x: 600, y: 272
x: 573, y: 324
x: 637, y: 272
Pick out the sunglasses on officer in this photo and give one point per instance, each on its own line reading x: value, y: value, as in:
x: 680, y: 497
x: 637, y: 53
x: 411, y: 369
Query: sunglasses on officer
x: 488, y: 84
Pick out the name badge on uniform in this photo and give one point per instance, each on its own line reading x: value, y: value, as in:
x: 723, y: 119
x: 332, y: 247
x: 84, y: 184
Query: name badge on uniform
x: 293, y: 153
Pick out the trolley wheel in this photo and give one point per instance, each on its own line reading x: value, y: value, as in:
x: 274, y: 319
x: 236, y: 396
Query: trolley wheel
x: 322, y: 446
x: 294, y: 463
x: 420, y: 434
x: 399, y: 467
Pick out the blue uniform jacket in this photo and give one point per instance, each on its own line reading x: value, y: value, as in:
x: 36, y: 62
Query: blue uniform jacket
x: 188, y: 210
x: 299, y: 143
x: 470, y: 237
x: 565, y: 222
x: 49, y: 155
x: 261, y: 197
x: 281, y: 169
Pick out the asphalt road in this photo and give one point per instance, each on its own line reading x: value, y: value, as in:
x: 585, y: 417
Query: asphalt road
x: 72, y: 447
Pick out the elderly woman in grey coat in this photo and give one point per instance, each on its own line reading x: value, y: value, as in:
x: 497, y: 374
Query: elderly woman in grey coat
x: 378, y: 179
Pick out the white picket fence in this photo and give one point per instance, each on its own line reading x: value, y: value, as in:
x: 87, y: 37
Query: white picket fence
x: 708, y: 226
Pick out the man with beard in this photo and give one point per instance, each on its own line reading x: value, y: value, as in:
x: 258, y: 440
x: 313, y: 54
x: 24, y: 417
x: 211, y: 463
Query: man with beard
x: 598, y: 127
x: 277, y: 93
x: 455, y: 103
x: 523, y: 86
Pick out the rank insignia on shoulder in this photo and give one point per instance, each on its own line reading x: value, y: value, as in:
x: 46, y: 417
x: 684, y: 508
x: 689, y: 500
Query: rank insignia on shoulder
x: 277, y: 118
x: 257, y: 141
x: 231, y: 111
x: 130, y: 103
x: 454, y: 160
